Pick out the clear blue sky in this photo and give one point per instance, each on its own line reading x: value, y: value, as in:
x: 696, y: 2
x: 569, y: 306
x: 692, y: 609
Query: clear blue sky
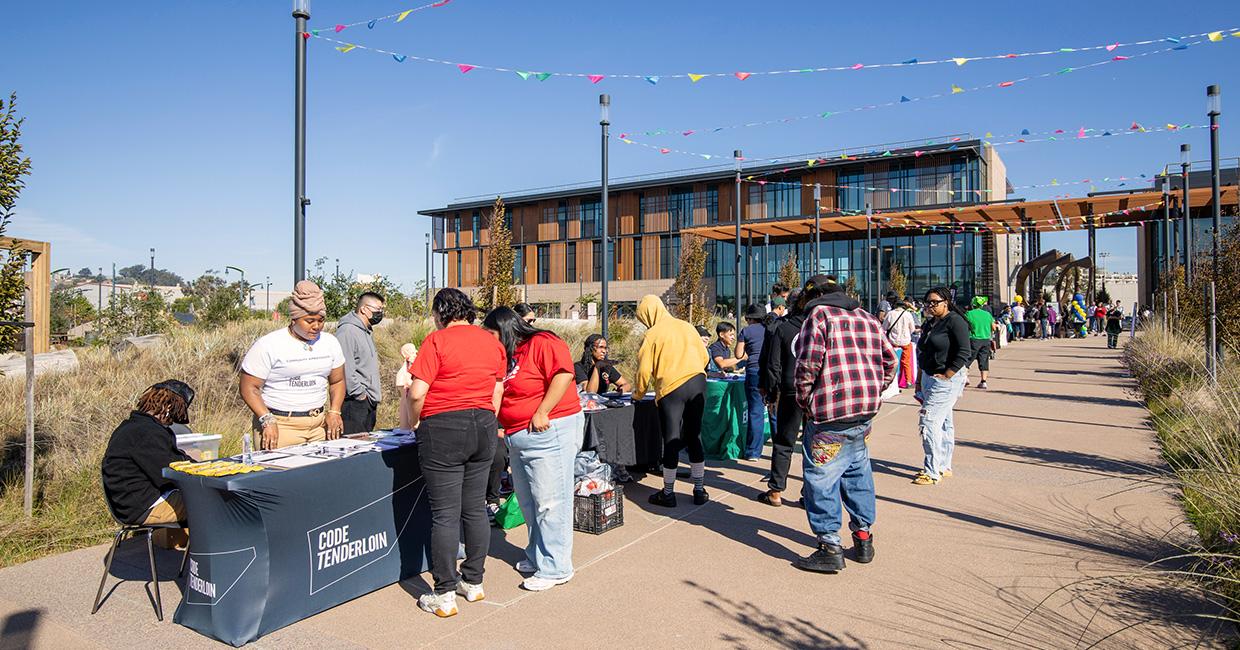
x: 169, y: 123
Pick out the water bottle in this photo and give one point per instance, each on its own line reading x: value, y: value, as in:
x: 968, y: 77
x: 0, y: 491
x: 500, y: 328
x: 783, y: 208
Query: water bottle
x: 247, y: 449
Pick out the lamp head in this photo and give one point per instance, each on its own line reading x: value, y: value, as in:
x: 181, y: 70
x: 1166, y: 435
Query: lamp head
x: 1184, y: 151
x: 604, y: 106
x: 1214, y: 104
x: 301, y: 8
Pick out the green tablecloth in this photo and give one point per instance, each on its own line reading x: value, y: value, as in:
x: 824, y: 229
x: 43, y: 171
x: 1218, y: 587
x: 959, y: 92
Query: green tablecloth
x: 726, y: 420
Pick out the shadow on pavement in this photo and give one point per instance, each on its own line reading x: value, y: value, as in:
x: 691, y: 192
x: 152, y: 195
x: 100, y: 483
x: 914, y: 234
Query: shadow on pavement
x: 1055, y: 420
x: 17, y: 631
x: 1065, y: 459
x: 1095, y: 373
x: 1058, y: 397
x: 766, y: 623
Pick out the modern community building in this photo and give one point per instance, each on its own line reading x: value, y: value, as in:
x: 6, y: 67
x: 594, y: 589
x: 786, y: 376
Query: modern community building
x: 938, y: 210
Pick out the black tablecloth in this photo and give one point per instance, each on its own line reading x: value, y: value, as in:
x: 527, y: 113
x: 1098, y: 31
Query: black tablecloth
x: 270, y: 548
x: 626, y: 436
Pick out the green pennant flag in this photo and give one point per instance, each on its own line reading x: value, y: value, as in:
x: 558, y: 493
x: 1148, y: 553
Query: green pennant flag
x: 542, y: 76
x: 524, y: 75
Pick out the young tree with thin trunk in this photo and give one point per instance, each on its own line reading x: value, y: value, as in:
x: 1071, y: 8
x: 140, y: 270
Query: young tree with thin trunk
x: 789, y: 274
x: 689, y: 290
x: 497, y: 288
x: 14, y: 167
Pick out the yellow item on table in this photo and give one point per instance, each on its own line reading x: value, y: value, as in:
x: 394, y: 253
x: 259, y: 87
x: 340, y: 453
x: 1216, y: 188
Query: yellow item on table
x: 214, y: 468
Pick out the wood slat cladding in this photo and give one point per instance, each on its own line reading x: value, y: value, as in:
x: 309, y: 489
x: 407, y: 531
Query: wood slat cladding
x: 624, y: 213
x: 453, y: 256
x: 531, y: 264
x: 655, y: 215
x: 558, y: 257
x: 624, y: 259
x: 470, y: 267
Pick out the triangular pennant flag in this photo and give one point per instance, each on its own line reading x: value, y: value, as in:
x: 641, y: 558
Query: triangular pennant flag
x: 594, y: 78
x: 665, y: 151
x: 542, y: 76
x: 1066, y: 49
x: 956, y: 89
x: 1119, y: 58
x: 1058, y: 130
x: 741, y: 75
x: 339, y: 28
x: 689, y: 132
x: 524, y: 75
x: 843, y: 156
x: 1006, y: 84
x: 371, y: 24
x: 1171, y: 39
x: 917, y: 154
x: 400, y: 58
x: 1215, y: 36
x: 1081, y: 133
x: 858, y: 66
x: 464, y: 67
x: 810, y: 163
x: 825, y: 115
x: 1106, y: 133
x: 652, y: 80
x: 305, y: 35
x: 626, y: 141
x: 706, y: 156
x: 953, y: 147
x: 960, y: 60
x: 886, y: 153
x: 1064, y: 71
x: 904, y: 99
x: 909, y: 62
x: 1024, y: 131
x: 1111, y: 47
x: 345, y: 48
x: 315, y: 32
x: 403, y: 15
x: 1181, y: 47
x: 1172, y: 127
x: 695, y: 77
x: 988, y: 135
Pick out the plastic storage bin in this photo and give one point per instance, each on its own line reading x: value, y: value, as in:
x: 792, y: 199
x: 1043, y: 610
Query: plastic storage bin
x: 200, y: 446
x: 599, y: 513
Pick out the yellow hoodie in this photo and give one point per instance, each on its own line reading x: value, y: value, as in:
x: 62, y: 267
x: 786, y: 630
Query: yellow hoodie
x: 671, y: 353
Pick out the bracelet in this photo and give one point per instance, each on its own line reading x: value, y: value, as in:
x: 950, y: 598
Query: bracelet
x: 266, y: 419
x: 333, y: 412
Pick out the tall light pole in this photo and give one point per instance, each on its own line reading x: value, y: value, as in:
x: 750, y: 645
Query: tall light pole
x: 428, y: 272
x: 817, y: 236
x: 604, y: 106
x: 1186, y: 217
x: 268, y: 283
x: 1213, y: 109
x: 1166, y: 241
x: 99, y: 301
x: 243, y: 284
x: 301, y: 13
x: 736, y: 156
x: 152, y: 264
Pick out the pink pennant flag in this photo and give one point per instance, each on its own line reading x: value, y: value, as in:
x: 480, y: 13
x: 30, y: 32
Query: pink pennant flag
x: 1119, y: 58
x: 305, y: 35
x: 1081, y: 132
x: 665, y: 151
x: 339, y: 28
x: 917, y: 154
x: 1005, y: 84
x: 761, y: 182
x: 1020, y: 139
x: 623, y: 136
x: 742, y: 75
x: 689, y: 132
x: 858, y: 66
x: 595, y: 78
x: 465, y: 67
x: 1134, y: 126
x: 1058, y: 130
x: 1011, y: 56
x: 1112, y: 46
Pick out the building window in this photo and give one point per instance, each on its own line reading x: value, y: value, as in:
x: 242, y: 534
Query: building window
x: 637, y: 258
x: 596, y: 248
x: 439, y: 227
x: 591, y: 212
x: 712, y: 206
x: 570, y: 262
x: 460, y: 281
x: 476, y: 226
x: 456, y: 229
x: 518, y: 264
x: 669, y: 255
x: 508, y: 215
x: 774, y: 200
x: 680, y: 209
x: 641, y: 212
x: 561, y: 217
x: 544, y: 263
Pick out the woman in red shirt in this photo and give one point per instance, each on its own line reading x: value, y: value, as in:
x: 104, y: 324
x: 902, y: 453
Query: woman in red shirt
x: 458, y: 378
x: 542, y: 420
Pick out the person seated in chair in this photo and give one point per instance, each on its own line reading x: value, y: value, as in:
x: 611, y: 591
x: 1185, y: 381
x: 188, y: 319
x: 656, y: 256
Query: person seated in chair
x: 138, y: 451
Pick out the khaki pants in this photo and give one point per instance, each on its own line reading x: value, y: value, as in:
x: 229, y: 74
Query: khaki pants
x: 295, y: 431
x: 171, y: 509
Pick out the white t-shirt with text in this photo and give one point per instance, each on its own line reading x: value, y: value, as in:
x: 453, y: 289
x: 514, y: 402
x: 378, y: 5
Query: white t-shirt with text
x: 294, y: 372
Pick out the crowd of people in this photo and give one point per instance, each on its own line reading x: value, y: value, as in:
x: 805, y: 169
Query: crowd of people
x: 504, y: 395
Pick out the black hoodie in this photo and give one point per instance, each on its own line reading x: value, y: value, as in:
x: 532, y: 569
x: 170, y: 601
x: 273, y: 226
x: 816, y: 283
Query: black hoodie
x: 778, y: 366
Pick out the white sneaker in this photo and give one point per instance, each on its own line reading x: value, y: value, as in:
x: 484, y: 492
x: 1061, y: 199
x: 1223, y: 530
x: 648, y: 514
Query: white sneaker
x: 441, y: 605
x: 534, y: 583
x: 525, y: 566
x: 472, y: 592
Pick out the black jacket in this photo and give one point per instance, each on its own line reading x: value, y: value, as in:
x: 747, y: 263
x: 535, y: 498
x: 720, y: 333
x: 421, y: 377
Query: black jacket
x: 139, y: 450
x: 778, y: 362
x: 944, y: 345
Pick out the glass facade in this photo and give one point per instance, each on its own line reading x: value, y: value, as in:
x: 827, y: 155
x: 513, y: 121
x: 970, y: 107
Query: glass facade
x: 544, y: 263
x: 908, y: 184
x: 637, y: 258
x: 1202, y: 227
x: 570, y: 262
x: 774, y: 201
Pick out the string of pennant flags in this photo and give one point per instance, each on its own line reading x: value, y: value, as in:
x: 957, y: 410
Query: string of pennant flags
x: 757, y: 179
x: 1177, y: 42
x: 1044, y: 225
x: 902, y: 99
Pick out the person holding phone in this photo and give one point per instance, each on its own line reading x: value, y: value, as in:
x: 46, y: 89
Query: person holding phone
x: 594, y: 372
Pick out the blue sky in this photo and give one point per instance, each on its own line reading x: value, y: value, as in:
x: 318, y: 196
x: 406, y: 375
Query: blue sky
x: 169, y: 123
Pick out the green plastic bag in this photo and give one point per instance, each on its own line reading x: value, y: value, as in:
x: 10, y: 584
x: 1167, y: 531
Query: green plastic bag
x: 509, y: 514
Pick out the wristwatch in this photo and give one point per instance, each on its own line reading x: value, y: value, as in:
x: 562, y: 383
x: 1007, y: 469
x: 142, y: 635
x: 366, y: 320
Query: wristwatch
x: 266, y: 419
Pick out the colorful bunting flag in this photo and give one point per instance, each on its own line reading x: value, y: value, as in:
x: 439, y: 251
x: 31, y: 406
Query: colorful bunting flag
x: 404, y: 15
x: 345, y: 48
x: 956, y: 89
x: 1111, y: 47
x: 595, y: 78
x: 960, y: 60
x: 858, y: 66
x: 523, y: 75
x: 904, y: 99
x: 1006, y: 84
x: 695, y: 77
x: 339, y: 28
x: 371, y: 24
x: 400, y: 58
x: 742, y: 75
x: 1024, y: 131
x: 909, y: 62
x: 543, y: 76
x: 464, y: 67
x: 652, y: 80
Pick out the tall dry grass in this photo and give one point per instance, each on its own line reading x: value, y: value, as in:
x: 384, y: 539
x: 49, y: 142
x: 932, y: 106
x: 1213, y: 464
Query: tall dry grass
x: 1198, y: 425
x: 75, y: 412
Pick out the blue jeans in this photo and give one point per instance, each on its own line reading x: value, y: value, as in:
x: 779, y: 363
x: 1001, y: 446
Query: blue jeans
x: 836, y: 468
x: 757, y: 417
x: 542, y: 476
x: 938, y: 429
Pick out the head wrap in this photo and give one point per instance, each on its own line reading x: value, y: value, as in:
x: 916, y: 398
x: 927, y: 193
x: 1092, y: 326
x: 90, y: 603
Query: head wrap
x: 980, y: 301
x: 307, y: 299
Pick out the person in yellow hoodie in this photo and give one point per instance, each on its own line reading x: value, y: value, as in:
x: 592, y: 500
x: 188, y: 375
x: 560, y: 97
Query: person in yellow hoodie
x: 672, y: 362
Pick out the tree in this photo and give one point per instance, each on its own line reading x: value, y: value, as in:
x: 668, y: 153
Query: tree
x: 145, y: 275
x: 689, y: 291
x: 14, y: 167
x: 497, y: 288
x: 898, y: 282
x: 85, y: 272
x: 1103, y: 296
x: 850, y: 286
x: 134, y: 313
x: 69, y: 309
x: 789, y: 274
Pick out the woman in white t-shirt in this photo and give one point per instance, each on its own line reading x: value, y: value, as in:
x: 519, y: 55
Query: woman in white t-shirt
x: 290, y: 374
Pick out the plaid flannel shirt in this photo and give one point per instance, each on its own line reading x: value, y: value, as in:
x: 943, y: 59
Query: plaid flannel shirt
x: 843, y: 364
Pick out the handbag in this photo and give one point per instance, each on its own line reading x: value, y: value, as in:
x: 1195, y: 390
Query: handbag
x: 509, y: 513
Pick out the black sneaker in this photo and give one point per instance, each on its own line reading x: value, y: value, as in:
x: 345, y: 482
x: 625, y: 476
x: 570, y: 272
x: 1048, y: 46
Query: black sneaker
x: 700, y: 497
x: 829, y: 558
x: 863, y: 549
x: 665, y: 499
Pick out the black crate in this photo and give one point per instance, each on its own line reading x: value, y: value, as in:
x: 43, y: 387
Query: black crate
x: 599, y: 513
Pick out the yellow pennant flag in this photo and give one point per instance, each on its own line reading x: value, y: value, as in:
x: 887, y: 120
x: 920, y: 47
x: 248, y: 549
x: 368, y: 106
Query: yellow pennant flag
x: 345, y: 48
x: 989, y: 135
x: 810, y: 163
x: 695, y: 77
x: 403, y: 15
x: 1215, y: 36
x: 960, y: 60
x: 956, y: 89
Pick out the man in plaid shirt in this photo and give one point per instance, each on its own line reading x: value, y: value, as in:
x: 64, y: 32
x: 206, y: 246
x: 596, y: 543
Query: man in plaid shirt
x: 843, y: 363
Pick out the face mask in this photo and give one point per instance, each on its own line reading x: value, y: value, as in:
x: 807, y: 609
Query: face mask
x: 376, y: 317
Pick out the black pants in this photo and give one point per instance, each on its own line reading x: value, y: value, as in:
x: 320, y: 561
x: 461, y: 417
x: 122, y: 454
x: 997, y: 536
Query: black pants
x: 788, y: 423
x: 981, y: 352
x: 1112, y: 339
x: 495, y: 480
x: 456, y: 450
x: 358, y: 415
x: 680, y: 415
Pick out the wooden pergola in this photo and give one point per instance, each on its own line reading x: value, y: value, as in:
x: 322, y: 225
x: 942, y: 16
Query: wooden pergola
x: 38, y: 284
x: 1076, y: 213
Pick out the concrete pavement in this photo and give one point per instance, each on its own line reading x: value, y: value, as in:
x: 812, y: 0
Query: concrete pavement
x: 1058, y: 484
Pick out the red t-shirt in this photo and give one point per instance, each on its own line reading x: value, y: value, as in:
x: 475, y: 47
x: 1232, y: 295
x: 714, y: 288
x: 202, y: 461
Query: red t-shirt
x: 537, y: 361
x: 461, y: 363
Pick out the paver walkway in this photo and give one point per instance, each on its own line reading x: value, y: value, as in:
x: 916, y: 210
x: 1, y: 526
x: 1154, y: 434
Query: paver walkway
x: 1053, y: 485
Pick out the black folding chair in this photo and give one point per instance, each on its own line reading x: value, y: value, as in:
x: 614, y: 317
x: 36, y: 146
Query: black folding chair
x: 134, y: 530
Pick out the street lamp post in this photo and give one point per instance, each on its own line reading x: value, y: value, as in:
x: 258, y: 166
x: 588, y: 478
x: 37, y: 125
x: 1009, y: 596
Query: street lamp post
x: 428, y: 272
x: 604, y: 105
x: 1185, y: 217
x: 99, y: 301
x: 268, y: 294
x: 736, y: 156
x: 301, y: 13
x: 1214, y: 109
x: 817, y: 224
x: 243, y: 284
x: 1166, y: 241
